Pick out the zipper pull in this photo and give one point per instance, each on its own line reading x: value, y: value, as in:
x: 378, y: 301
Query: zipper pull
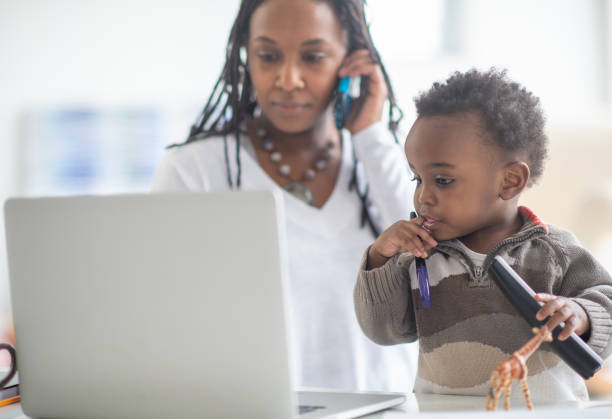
x: 478, y: 271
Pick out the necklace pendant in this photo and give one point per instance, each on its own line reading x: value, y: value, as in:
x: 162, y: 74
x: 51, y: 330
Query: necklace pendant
x: 300, y: 191
x: 309, y: 174
x: 276, y: 157
x: 284, y: 170
x: 268, y: 145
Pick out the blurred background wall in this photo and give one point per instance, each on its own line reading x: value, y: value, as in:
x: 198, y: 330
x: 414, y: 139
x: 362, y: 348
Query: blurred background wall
x: 91, y: 90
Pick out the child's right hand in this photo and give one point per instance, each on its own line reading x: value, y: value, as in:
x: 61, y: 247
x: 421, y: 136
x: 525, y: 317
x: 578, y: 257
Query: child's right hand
x: 403, y: 236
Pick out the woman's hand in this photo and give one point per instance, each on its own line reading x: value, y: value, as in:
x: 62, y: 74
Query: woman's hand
x: 367, y: 109
x: 403, y: 236
x: 562, y: 309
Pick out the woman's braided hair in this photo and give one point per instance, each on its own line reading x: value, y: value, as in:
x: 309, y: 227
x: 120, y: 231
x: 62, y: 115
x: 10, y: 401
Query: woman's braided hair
x: 232, y: 99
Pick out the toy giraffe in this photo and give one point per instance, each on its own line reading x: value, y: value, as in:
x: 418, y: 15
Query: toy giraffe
x: 515, y: 368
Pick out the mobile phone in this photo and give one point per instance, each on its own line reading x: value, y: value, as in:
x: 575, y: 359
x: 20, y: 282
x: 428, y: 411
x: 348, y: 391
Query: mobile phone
x: 348, y: 89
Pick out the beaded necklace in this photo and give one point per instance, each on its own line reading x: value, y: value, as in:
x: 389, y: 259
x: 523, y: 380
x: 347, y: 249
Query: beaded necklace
x: 296, y: 186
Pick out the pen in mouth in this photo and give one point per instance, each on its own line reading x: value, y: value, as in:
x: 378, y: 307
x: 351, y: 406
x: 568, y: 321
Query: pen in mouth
x: 427, y: 223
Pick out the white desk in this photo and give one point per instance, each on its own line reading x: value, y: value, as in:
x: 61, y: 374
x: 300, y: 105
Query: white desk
x: 435, y: 406
x: 439, y: 406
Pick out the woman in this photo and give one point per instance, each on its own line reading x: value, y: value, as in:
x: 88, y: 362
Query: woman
x: 272, y: 122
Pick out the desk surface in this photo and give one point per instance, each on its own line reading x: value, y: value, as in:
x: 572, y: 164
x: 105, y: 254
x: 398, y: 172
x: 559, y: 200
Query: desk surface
x: 438, y: 406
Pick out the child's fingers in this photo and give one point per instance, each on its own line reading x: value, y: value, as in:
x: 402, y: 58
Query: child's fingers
x: 424, y: 234
x: 413, y: 244
x: 427, y: 238
x: 414, y: 239
x: 563, y: 310
x: 552, y: 304
x: 544, y: 297
x: 571, y: 324
x: 560, y: 316
x: 404, y: 236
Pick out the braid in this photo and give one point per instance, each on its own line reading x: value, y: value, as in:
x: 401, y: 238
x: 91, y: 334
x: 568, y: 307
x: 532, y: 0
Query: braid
x: 227, y: 165
x: 231, y: 100
x: 352, y: 16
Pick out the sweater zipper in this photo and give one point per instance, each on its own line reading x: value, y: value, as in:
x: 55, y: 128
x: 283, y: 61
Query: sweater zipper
x: 504, y: 243
x: 477, y: 273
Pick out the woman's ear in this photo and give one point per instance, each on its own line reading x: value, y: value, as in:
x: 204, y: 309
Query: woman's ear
x: 516, y: 176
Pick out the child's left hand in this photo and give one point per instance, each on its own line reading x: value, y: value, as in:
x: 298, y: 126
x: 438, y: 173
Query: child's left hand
x: 562, y: 309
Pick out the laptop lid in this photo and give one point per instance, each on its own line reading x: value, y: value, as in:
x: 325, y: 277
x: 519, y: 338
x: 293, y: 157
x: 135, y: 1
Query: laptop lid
x: 150, y: 306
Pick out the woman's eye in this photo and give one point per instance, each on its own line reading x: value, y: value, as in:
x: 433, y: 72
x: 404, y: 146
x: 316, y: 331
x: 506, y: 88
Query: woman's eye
x: 444, y: 181
x: 267, y: 56
x: 417, y: 180
x: 313, y: 58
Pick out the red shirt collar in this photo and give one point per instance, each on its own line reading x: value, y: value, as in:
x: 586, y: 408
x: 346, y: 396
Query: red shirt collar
x: 529, y: 215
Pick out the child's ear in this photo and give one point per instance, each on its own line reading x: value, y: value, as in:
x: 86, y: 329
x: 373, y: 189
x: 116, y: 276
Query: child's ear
x: 516, y: 176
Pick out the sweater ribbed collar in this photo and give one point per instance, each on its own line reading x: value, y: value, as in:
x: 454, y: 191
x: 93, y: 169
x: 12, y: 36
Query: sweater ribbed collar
x: 532, y: 227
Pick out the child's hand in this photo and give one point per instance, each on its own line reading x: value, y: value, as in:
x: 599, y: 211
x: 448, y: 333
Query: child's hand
x: 403, y: 236
x: 562, y: 309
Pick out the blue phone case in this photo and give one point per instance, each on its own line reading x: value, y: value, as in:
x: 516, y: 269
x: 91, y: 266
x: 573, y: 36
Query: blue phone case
x: 343, y: 102
x: 344, y: 84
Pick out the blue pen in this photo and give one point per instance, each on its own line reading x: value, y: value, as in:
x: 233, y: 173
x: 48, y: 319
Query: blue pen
x: 422, y: 276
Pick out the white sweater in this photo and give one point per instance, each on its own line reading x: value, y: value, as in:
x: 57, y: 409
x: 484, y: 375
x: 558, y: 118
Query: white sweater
x: 325, y: 247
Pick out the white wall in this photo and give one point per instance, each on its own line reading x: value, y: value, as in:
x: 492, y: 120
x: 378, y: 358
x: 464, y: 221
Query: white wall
x: 103, y: 53
x: 557, y: 48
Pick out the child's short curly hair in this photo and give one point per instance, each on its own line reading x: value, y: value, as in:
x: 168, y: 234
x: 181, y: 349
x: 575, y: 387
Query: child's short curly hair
x: 512, y: 115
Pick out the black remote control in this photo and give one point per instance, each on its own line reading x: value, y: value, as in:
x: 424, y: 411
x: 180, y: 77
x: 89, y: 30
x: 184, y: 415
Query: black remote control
x: 574, y: 351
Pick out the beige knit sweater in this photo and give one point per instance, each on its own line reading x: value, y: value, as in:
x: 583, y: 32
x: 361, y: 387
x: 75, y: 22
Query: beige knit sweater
x: 471, y: 327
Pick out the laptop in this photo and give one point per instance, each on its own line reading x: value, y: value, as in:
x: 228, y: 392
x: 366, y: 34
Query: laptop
x: 158, y: 306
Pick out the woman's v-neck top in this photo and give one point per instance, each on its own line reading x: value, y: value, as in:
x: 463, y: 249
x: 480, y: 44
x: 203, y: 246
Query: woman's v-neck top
x: 325, y: 246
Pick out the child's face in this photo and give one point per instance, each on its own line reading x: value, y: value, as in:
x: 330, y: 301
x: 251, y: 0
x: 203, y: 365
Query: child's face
x: 458, y: 175
x: 295, y: 49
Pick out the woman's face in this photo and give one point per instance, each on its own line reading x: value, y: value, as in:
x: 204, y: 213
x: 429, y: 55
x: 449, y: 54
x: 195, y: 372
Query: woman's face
x: 295, y: 49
